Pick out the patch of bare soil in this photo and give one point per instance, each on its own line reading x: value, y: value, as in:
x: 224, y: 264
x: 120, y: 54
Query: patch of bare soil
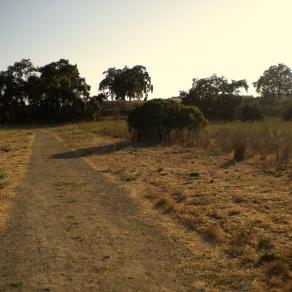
x: 72, y: 229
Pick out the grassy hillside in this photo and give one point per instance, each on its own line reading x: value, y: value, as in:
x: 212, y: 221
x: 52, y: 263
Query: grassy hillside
x: 231, y: 184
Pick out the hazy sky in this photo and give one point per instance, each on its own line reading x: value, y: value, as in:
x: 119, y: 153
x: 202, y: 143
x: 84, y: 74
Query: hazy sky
x: 176, y: 40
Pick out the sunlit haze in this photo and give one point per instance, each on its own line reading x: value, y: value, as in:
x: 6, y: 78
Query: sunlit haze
x: 176, y: 40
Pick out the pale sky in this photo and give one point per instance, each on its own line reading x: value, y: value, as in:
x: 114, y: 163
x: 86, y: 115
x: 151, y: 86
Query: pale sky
x: 177, y: 40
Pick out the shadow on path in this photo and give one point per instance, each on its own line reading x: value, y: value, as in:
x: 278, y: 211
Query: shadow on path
x: 108, y: 148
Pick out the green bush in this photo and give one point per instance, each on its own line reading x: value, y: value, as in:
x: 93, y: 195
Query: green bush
x: 250, y: 112
x: 288, y: 114
x: 155, y: 120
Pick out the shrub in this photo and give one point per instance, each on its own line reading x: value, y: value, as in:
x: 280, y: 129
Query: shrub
x: 92, y: 109
x: 251, y: 112
x: 239, y: 144
x: 226, y: 107
x: 214, y: 233
x: 155, y: 120
x: 287, y: 116
x: 220, y: 108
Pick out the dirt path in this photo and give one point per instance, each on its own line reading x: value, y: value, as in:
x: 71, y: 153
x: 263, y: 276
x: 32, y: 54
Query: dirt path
x: 72, y: 230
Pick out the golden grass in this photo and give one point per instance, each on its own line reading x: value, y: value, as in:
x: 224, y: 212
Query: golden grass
x: 15, y: 148
x: 243, y: 208
x: 113, y: 128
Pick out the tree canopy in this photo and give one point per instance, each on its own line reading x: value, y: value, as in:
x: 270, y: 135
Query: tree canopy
x: 276, y: 82
x: 215, y: 86
x: 131, y: 83
x: 63, y: 90
x: 215, y: 96
x: 13, y: 89
x: 54, y: 92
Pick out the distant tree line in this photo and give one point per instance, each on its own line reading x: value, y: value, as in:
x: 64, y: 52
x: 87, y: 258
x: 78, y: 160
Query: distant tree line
x: 57, y: 93
x: 219, y: 99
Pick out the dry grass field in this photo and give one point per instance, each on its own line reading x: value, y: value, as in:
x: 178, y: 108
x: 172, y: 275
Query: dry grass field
x: 231, y: 185
x: 15, y: 148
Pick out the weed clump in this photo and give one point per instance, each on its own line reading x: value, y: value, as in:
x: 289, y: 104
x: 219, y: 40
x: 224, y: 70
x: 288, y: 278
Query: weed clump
x: 194, y: 174
x: 5, y: 148
x: 240, y: 144
x: 279, y: 274
x: 4, y: 178
x: 214, y: 234
x: 265, y: 244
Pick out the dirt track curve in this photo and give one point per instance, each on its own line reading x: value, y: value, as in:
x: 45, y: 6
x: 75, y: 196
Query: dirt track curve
x: 70, y: 229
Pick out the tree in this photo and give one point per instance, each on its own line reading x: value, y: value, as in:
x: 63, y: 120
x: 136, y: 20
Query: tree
x: 132, y: 83
x: 22, y: 70
x: 215, y: 96
x: 215, y: 86
x: 4, y: 101
x: 51, y: 93
x: 276, y: 82
x: 101, y: 97
x: 13, y: 86
x: 63, y: 91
